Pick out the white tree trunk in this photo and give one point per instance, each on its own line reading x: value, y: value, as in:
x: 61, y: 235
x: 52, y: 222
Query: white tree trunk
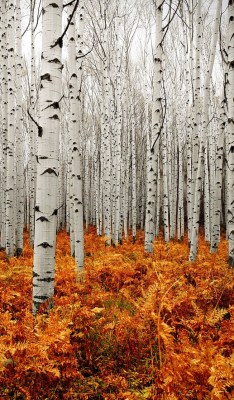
x: 153, y: 144
x: 11, y: 106
x: 47, y: 157
x: 3, y: 22
x: 19, y: 137
x: 230, y: 135
x: 32, y: 156
x: 203, y: 142
x: 76, y: 211
x: 106, y: 148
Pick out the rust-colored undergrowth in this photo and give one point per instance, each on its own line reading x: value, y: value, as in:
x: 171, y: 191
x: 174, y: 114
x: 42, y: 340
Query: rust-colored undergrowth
x: 140, y: 326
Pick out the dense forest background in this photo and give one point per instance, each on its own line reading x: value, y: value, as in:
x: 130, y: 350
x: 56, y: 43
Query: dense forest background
x: 116, y: 199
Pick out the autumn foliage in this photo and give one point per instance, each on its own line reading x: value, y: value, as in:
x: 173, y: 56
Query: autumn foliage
x: 140, y: 326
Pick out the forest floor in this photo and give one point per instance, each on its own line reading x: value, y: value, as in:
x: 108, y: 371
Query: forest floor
x: 139, y: 327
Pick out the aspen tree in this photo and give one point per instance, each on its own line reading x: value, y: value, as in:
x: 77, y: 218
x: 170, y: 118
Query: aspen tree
x: 3, y: 25
x: 106, y: 144
x: 189, y: 107
x: 180, y: 209
x: 134, y: 178
x: 117, y: 133
x: 219, y: 155
x: 75, y: 71
x: 196, y: 116
x: 32, y: 157
x: 230, y: 135
x: 47, y: 155
x: 11, y: 108
x: 19, y: 136
x: 203, y: 142
x: 126, y: 155
x: 165, y: 190
x: 153, y: 143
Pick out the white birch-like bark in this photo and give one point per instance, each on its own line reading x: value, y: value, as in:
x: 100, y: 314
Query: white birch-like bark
x: 196, y: 107
x: 106, y: 146
x: 126, y: 157
x: 207, y: 177
x: 165, y: 191
x: 173, y: 181
x: 117, y: 133
x: 11, y: 108
x: 158, y: 199
x: 196, y: 168
x: 153, y: 143
x: 19, y: 137
x: 180, y: 209
x: 3, y: 25
x: 134, y: 178
x: 46, y: 208
x: 32, y: 157
x: 189, y: 141
x: 75, y: 129
x: 201, y: 159
x: 216, y: 215
x: 87, y: 172
x: 230, y: 135
x: 219, y: 154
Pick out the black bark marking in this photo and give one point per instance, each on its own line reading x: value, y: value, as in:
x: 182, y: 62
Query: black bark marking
x: 59, y: 41
x: 55, y: 116
x: 55, y: 61
x: 41, y: 298
x: 50, y: 171
x: 54, y: 5
x: 45, y: 245
x: 42, y: 219
x: 40, y: 130
x: 45, y: 279
x: 231, y: 64
x: 55, y: 212
x: 54, y: 105
x: 35, y: 275
x: 46, y: 77
x: 37, y: 209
